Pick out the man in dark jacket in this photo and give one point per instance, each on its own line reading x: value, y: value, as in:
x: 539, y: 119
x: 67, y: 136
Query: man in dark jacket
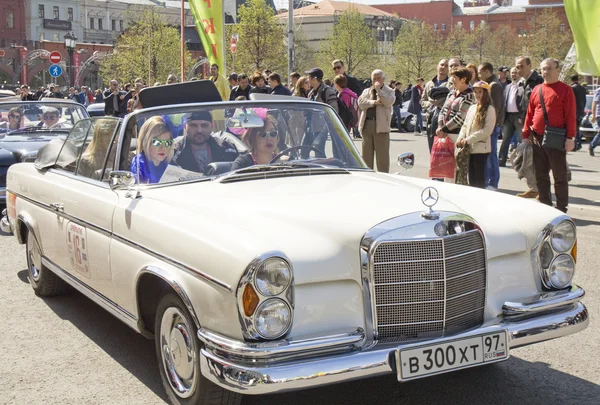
x: 580, y: 99
x: 112, y: 100
x: 278, y: 88
x: 242, y: 89
x: 492, y: 168
x: 352, y: 84
x: 529, y: 79
x: 414, y: 105
x: 198, y: 148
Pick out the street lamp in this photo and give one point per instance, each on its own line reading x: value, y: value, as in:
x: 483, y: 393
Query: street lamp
x: 70, y: 44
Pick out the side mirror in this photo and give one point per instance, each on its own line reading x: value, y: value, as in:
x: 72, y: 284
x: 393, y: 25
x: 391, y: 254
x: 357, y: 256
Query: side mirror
x: 121, y: 180
x: 406, y: 160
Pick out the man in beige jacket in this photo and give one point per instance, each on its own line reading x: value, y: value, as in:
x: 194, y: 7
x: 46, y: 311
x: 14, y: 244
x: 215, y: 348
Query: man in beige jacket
x: 375, y: 104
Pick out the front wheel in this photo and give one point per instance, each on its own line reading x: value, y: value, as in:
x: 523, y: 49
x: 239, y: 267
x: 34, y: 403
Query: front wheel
x: 43, y: 281
x: 178, y: 351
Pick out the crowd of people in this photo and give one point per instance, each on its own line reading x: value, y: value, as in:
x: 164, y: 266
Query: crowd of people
x: 467, y: 110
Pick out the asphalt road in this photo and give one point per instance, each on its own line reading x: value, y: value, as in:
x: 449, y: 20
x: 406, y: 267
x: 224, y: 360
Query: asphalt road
x: 67, y: 350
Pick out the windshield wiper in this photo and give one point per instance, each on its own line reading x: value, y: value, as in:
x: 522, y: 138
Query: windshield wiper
x: 35, y: 129
x: 280, y: 169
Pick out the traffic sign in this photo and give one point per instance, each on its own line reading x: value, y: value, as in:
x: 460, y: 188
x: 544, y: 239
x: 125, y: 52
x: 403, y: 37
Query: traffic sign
x: 2, y: 53
x: 55, y: 70
x: 55, y: 57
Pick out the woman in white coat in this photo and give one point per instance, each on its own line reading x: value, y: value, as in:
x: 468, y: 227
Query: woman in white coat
x: 476, y: 131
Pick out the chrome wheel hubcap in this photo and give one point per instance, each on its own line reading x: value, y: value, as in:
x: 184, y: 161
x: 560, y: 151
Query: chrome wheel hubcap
x: 178, y: 353
x: 35, y: 259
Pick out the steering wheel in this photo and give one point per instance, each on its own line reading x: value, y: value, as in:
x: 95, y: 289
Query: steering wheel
x: 318, y: 152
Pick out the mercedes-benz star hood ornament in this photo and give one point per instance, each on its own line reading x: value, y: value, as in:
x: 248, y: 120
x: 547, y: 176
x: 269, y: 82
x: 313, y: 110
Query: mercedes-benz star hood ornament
x: 430, y: 197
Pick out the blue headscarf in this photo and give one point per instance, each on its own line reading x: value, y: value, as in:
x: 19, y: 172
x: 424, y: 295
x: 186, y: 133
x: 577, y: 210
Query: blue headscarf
x: 145, y: 171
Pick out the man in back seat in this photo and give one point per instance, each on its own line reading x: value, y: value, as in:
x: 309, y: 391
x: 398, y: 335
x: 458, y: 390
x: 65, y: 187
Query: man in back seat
x: 197, y: 148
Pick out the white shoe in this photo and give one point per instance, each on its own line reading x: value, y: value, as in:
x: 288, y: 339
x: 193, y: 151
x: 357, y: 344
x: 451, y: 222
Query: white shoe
x: 491, y: 188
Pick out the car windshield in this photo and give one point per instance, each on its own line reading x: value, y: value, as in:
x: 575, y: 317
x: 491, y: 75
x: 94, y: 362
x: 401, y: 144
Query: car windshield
x: 246, y: 137
x: 23, y: 117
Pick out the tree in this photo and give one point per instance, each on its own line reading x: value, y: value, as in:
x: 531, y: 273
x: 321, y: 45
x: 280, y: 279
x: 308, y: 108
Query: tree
x: 351, y: 40
x: 149, y: 49
x: 260, y: 39
x: 505, y: 46
x: 457, y: 42
x: 479, y: 44
x: 416, y: 50
x: 546, y: 39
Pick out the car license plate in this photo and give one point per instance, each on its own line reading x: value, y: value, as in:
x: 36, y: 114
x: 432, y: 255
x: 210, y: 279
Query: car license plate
x: 451, y: 355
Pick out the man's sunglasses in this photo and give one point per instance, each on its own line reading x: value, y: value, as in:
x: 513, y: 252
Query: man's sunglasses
x: 15, y: 116
x: 337, y: 67
x: 271, y: 134
x: 167, y: 143
x: 49, y: 117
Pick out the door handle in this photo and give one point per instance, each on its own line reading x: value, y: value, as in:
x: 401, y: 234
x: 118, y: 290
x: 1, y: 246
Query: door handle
x: 57, y: 207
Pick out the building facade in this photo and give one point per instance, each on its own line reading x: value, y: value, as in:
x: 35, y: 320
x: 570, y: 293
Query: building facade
x: 446, y: 14
x: 12, y: 22
x: 317, y: 21
x: 50, y: 20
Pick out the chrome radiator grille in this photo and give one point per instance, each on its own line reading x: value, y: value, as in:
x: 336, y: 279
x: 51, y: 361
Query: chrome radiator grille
x: 429, y: 288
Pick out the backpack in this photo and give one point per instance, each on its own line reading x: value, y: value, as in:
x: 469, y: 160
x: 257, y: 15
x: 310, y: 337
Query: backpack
x: 346, y: 114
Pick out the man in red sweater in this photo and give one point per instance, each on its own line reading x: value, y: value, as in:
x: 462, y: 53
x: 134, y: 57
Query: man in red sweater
x: 562, y: 110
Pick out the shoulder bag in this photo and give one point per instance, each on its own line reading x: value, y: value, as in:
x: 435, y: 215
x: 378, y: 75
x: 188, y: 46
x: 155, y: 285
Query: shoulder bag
x: 554, y: 138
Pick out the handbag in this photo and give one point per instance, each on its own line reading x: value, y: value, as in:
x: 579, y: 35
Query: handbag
x: 442, y: 163
x: 554, y: 138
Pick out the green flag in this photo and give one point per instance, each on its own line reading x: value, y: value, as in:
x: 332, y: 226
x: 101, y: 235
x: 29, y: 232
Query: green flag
x: 584, y: 19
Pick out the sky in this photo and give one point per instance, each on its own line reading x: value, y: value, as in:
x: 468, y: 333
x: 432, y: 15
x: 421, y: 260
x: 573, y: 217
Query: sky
x: 284, y: 3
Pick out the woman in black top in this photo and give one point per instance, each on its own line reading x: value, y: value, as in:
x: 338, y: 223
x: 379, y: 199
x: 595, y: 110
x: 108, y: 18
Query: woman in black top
x: 262, y: 143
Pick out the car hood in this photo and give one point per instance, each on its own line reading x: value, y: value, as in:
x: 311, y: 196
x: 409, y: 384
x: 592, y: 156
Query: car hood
x: 25, y: 143
x: 320, y: 220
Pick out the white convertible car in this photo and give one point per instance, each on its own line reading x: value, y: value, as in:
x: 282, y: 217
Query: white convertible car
x: 256, y: 277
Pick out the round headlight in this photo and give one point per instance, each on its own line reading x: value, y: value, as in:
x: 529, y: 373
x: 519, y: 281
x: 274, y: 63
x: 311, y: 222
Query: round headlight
x: 561, y: 271
x: 273, y: 276
x: 273, y: 318
x: 563, y: 236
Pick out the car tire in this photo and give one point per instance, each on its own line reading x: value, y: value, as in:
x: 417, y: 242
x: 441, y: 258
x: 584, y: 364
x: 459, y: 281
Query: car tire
x: 43, y: 281
x: 175, y: 329
x: 409, y: 123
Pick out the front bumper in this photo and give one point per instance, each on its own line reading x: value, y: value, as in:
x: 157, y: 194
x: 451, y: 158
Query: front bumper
x: 4, y: 222
x: 263, y: 368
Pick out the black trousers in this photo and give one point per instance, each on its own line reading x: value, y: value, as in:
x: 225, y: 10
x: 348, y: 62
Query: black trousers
x: 544, y: 160
x: 477, y: 163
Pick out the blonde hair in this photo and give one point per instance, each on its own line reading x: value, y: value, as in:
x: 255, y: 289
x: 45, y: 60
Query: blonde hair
x: 98, y: 147
x: 153, y: 128
x: 482, y: 110
x: 250, y: 136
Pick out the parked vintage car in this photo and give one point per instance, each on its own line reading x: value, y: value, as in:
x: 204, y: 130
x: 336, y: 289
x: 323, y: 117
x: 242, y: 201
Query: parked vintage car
x: 23, y: 134
x: 265, y: 278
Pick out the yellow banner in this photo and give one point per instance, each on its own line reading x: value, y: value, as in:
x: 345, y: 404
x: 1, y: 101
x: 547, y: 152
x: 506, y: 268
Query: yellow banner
x: 208, y: 17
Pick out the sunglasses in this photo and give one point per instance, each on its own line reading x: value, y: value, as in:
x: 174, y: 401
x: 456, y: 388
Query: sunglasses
x: 271, y: 134
x: 167, y: 143
x: 15, y: 116
x: 337, y: 67
x: 50, y: 117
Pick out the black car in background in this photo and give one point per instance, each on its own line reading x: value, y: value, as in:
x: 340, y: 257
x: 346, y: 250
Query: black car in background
x: 22, y: 137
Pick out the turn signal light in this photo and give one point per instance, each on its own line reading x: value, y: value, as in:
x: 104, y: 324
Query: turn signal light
x: 574, y: 252
x: 250, y: 300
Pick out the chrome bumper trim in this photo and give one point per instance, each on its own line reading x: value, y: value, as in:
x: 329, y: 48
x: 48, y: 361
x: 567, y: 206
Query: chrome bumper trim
x: 276, y: 350
x: 5, y: 223
x: 255, y: 378
x: 544, y: 302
